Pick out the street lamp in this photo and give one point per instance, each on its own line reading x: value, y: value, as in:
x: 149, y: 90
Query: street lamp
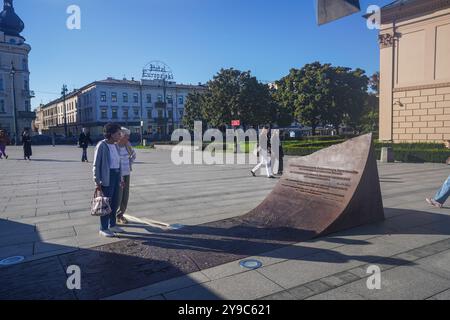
x: 13, y: 73
x: 63, y: 93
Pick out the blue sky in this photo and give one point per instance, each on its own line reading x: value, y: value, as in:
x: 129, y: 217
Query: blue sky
x: 194, y: 37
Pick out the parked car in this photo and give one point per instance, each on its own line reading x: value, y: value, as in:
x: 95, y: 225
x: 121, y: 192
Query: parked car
x: 41, y: 140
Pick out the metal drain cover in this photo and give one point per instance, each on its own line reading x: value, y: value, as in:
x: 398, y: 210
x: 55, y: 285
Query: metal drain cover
x: 250, y: 264
x: 176, y: 226
x: 11, y: 260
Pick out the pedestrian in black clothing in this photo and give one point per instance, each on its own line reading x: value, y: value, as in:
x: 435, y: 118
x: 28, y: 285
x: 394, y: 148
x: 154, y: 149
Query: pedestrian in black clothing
x: 26, y: 141
x: 281, y: 156
x: 84, y: 141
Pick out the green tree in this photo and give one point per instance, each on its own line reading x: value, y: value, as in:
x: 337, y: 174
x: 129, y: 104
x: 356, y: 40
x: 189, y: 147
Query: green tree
x: 307, y: 92
x: 370, y: 119
x: 193, y: 110
x: 232, y: 95
x: 349, y: 97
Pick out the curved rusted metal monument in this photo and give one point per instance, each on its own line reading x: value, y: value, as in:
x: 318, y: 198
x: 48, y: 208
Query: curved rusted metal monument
x: 331, y: 190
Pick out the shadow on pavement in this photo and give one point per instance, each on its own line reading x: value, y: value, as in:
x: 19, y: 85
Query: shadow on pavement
x: 142, y: 259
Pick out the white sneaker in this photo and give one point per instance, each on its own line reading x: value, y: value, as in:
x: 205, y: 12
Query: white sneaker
x: 106, y: 233
x: 116, y: 230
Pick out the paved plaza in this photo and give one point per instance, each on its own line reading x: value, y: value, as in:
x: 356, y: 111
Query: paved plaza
x: 44, y: 215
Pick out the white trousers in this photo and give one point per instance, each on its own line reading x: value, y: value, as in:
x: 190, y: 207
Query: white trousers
x: 267, y: 163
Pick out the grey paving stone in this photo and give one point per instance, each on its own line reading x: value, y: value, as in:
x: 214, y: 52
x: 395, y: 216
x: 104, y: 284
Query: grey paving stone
x: 156, y: 298
x: 248, y: 286
x: 414, y: 238
x: 293, y: 273
x: 224, y: 270
x: 25, y: 249
x: 437, y: 264
x: 318, y: 286
x: 340, y: 279
x: 409, y: 283
x: 159, y: 288
x: 19, y: 238
x: 56, y: 245
x: 376, y: 249
x: 445, y: 295
x: 56, y: 233
x: 283, y: 295
x: 301, y: 292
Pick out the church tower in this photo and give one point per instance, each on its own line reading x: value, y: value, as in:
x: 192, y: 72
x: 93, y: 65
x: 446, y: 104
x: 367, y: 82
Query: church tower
x: 15, y: 95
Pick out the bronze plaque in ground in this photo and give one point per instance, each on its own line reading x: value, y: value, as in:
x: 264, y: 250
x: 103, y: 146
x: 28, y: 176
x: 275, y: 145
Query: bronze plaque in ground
x: 333, y: 189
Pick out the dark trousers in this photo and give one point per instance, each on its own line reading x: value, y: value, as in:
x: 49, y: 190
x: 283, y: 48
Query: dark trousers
x: 111, y: 192
x: 281, y: 166
x: 2, y: 150
x: 84, y: 155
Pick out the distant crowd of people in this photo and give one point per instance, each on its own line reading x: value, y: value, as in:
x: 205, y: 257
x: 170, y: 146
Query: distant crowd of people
x: 26, y: 143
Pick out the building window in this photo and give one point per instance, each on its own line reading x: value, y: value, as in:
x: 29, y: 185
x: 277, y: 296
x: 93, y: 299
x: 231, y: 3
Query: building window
x: 125, y: 97
x: 26, y: 85
x: 149, y: 98
x: 160, y: 98
x: 181, y: 113
x: 114, y: 113
x: 136, y: 98
x: 2, y: 106
x: 136, y: 113
x: 114, y: 96
x: 180, y: 100
x: 2, y: 88
x: 160, y: 114
x: 27, y: 105
x: 103, y: 96
x: 149, y: 113
x: 169, y: 99
x: 104, y: 113
x: 170, y: 114
x: 25, y: 64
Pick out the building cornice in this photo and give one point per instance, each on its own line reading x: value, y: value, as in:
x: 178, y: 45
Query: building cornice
x: 423, y: 87
x: 408, y: 10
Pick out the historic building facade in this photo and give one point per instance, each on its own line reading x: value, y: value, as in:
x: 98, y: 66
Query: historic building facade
x: 415, y: 71
x: 127, y: 102
x: 15, y: 94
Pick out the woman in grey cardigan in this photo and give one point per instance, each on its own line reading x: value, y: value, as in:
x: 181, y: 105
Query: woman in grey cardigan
x: 107, y: 176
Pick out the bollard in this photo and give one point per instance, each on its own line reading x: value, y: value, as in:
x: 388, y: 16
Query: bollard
x: 144, y: 142
x: 387, y: 155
